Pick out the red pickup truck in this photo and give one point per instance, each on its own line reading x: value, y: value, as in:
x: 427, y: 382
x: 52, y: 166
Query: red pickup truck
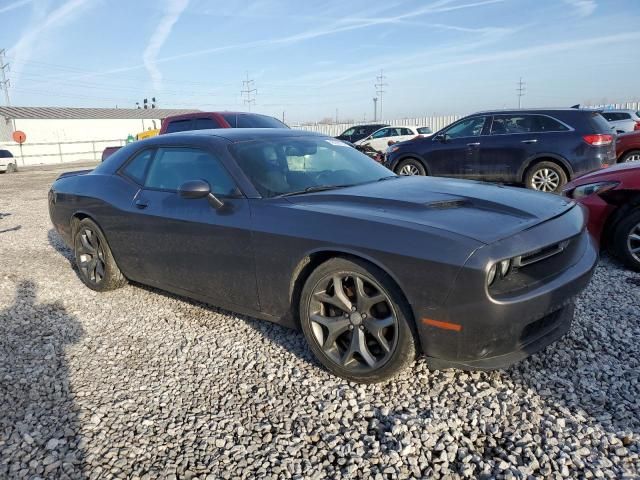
x: 210, y: 120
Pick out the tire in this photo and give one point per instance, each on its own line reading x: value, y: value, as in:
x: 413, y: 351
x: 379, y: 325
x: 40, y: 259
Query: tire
x: 626, y: 240
x: 11, y: 168
x: 370, y: 344
x: 632, y: 156
x: 545, y: 177
x: 411, y: 166
x: 89, y: 243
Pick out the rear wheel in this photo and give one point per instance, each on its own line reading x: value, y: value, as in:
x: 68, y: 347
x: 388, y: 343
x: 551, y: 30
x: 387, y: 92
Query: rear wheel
x: 626, y: 240
x: 410, y: 166
x: 97, y: 268
x: 632, y: 156
x: 356, y: 322
x: 11, y: 168
x: 545, y: 177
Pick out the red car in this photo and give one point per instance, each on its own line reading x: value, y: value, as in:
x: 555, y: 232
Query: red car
x: 612, y: 197
x: 628, y: 147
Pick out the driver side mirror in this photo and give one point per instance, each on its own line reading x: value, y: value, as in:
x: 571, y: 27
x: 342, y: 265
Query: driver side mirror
x: 442, y: 138
x: 199, y: 189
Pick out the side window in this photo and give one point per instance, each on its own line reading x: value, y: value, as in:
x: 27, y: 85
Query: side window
x: 611, y: 117
x: 179, y: 126
x: 349, y: 132
x: 503, y: 124
x: 385, y: 132
x: 231, y: 118
x: 172, y: 167
x: 406, y: 131
x: 470, y: 127
x: 543, y: 123
x: 137, y: 168
x: 205, y: 124
x: 625, y: 116
x: 424, y: 130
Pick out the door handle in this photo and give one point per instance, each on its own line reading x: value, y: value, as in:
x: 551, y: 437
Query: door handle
x: 473, y: 144
x: 141, y: 204
x: 533, y: 140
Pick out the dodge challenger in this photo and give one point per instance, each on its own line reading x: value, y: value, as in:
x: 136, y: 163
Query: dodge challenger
x: 303, y: 230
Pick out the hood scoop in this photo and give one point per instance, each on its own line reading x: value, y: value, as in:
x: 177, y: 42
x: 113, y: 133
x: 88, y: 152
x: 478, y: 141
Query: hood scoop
x: 446, y: 204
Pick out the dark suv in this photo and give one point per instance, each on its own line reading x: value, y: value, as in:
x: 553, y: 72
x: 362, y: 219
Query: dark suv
x: 542, y: 149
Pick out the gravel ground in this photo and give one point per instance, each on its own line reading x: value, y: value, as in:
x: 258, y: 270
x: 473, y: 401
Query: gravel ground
x: 141, y: 384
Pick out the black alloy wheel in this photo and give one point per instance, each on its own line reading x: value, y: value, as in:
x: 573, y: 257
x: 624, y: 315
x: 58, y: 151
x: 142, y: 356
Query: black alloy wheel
x: 353, y: 323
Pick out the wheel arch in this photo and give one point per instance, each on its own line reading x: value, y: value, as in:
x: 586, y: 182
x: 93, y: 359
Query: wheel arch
x: 630, y: 201
x: 546, y: 157
x: 622, y: 154
x: 315, y: 258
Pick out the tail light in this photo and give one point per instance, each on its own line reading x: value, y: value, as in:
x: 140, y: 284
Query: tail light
x: 598, y: 139
x: 637, y: 125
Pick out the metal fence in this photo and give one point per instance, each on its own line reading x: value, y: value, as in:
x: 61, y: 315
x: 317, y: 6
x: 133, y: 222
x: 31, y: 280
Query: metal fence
x: 59, y: 152
x: 334, y: 129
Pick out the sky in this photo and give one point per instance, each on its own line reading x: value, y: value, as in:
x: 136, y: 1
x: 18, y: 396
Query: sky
x: 311, y: 60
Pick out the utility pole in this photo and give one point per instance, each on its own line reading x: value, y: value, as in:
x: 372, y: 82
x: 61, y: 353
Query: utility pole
x: 4, y: 81
x: 248, y: 92
x: 520, y: 91
x: 336, y: 115
x: 375, y: 109
x: 380, y: 84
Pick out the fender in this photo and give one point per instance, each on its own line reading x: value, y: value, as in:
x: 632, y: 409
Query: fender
x: 539, y: 156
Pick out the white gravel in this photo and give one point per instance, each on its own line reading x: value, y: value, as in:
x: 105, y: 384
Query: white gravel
x: 141, y: 384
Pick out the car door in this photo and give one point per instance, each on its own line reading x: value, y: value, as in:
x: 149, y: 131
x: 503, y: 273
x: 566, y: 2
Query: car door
x: 380, y: 138
x: 453, y: 151
x: 186, y: 244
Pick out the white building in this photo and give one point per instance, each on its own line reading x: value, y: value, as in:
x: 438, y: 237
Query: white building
x: 72, y: 134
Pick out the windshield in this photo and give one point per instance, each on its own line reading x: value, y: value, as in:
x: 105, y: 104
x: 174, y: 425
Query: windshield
x: 281, y: 166
x: 248, y: 120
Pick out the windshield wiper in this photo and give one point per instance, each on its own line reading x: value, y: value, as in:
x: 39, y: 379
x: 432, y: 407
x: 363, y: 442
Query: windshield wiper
x: 315, y: 188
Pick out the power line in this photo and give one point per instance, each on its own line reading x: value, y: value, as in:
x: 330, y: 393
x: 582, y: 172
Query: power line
x: 248, y: 92
x: 380, y: 84
x: 520, y: 91
x: 4, y: 81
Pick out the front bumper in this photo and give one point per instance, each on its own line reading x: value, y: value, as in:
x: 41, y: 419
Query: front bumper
x: 489, y: 330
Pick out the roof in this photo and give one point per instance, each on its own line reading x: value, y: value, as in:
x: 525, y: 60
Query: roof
x: 517, y: 111
x: 45, y: 113
x: 244, y: 134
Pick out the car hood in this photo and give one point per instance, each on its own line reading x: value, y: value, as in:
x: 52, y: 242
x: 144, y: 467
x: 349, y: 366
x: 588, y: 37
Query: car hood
x: 622, y: 172
x: 481, y: 211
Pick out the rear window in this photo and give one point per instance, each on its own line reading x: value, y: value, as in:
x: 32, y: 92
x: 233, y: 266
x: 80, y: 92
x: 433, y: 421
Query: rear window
x: 424, y: 130
x: 600, y: 123
x: 205, y: 124
x: 615, y: 116
x: 179, y: 126
x: 5, y: 154
x: 246, y: 120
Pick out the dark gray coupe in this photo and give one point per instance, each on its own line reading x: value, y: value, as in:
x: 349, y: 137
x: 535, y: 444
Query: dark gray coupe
x: 305, y: 231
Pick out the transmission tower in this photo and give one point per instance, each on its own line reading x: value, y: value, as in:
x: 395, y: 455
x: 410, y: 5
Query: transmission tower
x: 520, y: 91
x: 380, y: 84
x: 248, y: 92
x: 4, y: 81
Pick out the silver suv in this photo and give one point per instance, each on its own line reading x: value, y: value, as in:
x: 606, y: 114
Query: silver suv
x: 623, y: 120
x: 7, y: 162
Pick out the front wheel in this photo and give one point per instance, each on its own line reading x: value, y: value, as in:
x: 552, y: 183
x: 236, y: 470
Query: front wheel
x: 632, y: 156
x: 626, y: 240
x: 356, y: 321
x: 411, y: 166
x: 546, y: 177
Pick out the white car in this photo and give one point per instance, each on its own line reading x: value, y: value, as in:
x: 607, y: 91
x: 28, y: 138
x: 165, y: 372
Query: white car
x: 379, y: 140
x: 623, y: 120
x: 7, y: 162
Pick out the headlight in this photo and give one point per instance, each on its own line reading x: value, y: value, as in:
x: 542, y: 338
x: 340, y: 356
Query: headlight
x: 498, y: 270
x: 592, y: 189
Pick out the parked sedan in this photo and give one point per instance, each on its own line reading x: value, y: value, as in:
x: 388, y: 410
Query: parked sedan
x: 381, y: 139
x: 359, y: 132
x: 8, y: 163
x: 628, y: 147
x: 541, y: 149
x: 613, y: 199
x: 623, y: 120
x: 305, y: 231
